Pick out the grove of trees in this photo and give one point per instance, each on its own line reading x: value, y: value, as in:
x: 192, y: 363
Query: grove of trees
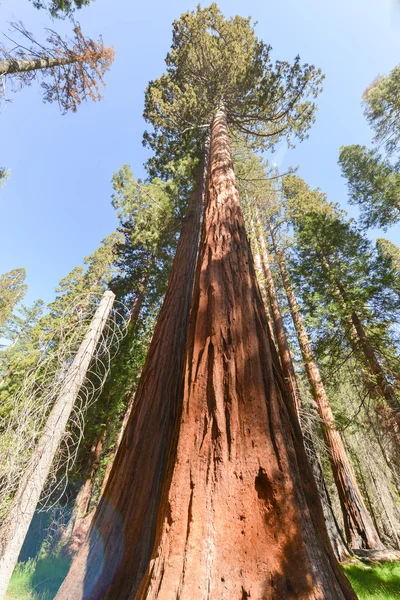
x: 242, y: 438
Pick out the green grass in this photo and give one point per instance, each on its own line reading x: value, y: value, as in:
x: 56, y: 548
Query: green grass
x: 375, y: 581
x: 38, y: 579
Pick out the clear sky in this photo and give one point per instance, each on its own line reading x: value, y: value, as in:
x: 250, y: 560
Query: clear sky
x: 56, y: 207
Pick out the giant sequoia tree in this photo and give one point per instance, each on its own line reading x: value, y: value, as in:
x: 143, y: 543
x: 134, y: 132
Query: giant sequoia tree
x: 224, y: 505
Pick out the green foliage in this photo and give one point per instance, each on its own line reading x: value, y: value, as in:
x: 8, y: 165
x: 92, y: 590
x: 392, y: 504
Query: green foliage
x: 373, y: 183
x: 38, y: 579
x: 382, y: 109
x: 23, y: 334
x: 4, y: 174
x: 12, y: 290
x: 389, y: 254
x: 216, y: 62
x: 329, y: 252
x: 60, y: 8
x: 81, y: 284
x: 375, y: 581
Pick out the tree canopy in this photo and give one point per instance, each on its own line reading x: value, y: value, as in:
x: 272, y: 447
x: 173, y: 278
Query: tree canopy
x: 60, y: 8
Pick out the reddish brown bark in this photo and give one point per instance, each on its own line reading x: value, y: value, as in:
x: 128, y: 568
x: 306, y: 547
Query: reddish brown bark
x: 359, y: 528
x: 240, y: 515
x: 117, y: 552
x: 85, y: 494
x: 136, y: 309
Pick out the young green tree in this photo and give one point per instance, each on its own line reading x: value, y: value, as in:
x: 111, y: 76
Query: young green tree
x: 390, y: 254
x: 69, y: 71
x: 12, y: 290
x: 373, y: 184
x: 373, y: 180
x: 236, y: 463
x: 382, y: 109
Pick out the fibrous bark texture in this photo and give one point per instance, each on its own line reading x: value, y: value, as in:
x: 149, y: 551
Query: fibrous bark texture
x: 359, y: 528
x: 240, y: 515
x: 116, y: 554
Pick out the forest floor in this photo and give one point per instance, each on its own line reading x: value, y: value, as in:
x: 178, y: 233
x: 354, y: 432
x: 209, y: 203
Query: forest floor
x: 375, y: 581
x: 40, y: 579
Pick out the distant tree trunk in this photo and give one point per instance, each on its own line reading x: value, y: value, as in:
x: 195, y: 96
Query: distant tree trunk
x: 234, y: 521
x: 116, y: 554
x: 14, y: 65
x: 137, y: 305
x: 374, y: 367
x: 85, y: 493
x: 263, y: 291
x: 338, y: 544
x: 16, y: 524
x: 359, y: 528
x: 283, y: 346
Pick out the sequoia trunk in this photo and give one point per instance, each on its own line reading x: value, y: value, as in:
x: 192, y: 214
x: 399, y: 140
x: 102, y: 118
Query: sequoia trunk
x: 117, y: 552
x: 359, y: 528
x: 240, y: 515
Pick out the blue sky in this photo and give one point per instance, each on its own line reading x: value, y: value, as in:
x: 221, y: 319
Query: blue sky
x: 56, y: 207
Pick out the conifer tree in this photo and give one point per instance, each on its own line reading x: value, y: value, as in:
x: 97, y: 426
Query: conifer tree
x: 69, y: 71
x: 356, y: 287
x: 237, y: 463
x: 373, y: 179
x: 60, y: 8
x: 382, y: 105
x: 21, y: 333
x: 12, y: 290
x: 373, y: 184
x: 390, y: 254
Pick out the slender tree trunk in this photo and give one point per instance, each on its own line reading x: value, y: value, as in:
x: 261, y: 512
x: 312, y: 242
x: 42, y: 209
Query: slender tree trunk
x: 374, y: 367
x: 359, y: 528
x: 283, y: 346
x: 234, y: 521
x: 8, y: 67
x: 16, y: 524
x: 336, y: 538
x: 85, y: 493
x: 137, y: 305
x: 263, y: 291
x: 116, y: 554
x: 370, y: 359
